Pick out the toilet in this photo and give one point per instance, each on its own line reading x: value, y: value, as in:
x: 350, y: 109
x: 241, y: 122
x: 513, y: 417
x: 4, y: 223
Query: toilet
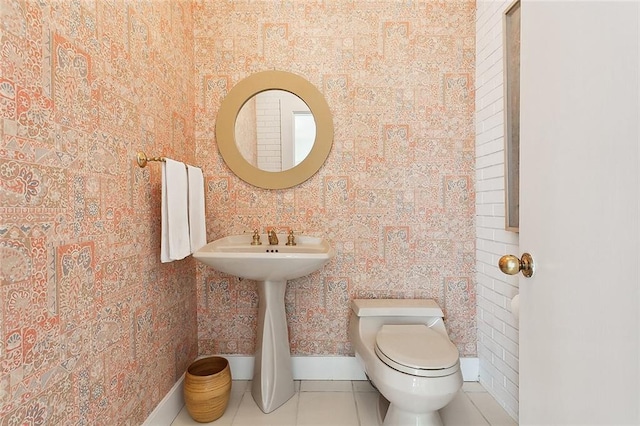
x: 405, y: 351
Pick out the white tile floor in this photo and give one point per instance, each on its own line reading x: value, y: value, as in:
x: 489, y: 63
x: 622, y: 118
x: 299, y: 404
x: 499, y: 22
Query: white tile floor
x: 346, y: 403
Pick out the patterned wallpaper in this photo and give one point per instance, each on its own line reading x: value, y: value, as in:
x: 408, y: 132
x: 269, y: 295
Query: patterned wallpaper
x: 89, y: 318
x: 396, y: 195
x: 88, y: 315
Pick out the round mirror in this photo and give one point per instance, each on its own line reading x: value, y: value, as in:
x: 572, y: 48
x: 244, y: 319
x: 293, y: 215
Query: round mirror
x: 274, y: 129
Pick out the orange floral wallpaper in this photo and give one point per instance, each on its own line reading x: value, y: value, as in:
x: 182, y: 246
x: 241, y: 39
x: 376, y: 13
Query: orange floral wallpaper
x: 93, y: 329
x: 396, y: 195
x: 89, y: 318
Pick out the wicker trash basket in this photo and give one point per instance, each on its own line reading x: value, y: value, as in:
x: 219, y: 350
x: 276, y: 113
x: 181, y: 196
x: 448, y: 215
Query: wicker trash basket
x: 207, y: 386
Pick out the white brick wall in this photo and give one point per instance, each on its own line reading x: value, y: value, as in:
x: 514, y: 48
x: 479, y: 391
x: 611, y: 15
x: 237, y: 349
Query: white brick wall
x: 497, y: 328
x: 268, y: 131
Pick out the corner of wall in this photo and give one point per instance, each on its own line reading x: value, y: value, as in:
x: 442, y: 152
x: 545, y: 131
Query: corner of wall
x: 498, y: 348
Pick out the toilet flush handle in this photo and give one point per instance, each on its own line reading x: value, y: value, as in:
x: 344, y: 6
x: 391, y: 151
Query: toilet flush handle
x: 511, y: 265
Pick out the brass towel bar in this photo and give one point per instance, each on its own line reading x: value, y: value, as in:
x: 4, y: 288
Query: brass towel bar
x: 142, y: 159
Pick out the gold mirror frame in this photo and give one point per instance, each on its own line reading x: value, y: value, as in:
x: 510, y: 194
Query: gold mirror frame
x: 239, y: 95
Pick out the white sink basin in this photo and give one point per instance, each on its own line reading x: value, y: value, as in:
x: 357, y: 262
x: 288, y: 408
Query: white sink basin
x: 271, y: 266
x: 235, y: 255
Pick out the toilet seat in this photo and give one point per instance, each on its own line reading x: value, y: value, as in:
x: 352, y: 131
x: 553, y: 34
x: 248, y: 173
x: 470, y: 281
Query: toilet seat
x: 417, y: 350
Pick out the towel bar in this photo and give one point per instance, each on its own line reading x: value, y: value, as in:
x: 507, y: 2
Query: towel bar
x: 142, y: 159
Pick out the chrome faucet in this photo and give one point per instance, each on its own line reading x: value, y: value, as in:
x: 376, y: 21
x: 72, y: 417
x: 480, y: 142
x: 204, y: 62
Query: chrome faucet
x: 273, y: 238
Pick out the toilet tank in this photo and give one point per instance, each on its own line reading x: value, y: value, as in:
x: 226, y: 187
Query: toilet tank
x: 396, y: 308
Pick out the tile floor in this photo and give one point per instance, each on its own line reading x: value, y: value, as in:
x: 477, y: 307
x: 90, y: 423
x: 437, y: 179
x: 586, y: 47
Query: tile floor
x: 346, y: 403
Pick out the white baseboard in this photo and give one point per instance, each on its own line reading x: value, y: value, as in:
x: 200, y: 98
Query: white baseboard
x: 168, y: 408
x: 470, y: 369
x: 330, y: 368
x: 304, y: 368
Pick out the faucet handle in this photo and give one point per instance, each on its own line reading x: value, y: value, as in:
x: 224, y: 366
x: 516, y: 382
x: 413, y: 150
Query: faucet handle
x: 255, y: 240
x: 291, y: 239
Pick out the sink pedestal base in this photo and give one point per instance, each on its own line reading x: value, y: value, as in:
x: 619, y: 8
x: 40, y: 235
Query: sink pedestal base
x: 272, y: 383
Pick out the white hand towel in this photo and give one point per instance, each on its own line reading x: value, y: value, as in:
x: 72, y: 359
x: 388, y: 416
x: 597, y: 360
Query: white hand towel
x: 175, y: 243
x: 164, y: 225
x: 197, y: 226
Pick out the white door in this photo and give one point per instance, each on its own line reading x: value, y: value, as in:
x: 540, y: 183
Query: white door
x: 579, y: 195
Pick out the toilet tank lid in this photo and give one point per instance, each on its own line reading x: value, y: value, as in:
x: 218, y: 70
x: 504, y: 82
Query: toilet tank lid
x: 396, y: 307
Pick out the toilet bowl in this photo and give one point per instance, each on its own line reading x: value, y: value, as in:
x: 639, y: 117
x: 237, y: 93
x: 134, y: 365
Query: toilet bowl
x: 403, y: 346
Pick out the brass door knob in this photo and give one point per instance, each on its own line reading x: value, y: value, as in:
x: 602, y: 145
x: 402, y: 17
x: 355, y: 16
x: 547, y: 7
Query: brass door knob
x: 511, y: 265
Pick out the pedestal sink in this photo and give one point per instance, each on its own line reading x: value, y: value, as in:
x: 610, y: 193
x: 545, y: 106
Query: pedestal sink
x: 271, y: 266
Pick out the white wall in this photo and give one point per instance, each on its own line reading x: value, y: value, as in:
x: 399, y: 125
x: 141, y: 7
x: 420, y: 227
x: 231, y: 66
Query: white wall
x: 268, y: 131
x: 497, y: 328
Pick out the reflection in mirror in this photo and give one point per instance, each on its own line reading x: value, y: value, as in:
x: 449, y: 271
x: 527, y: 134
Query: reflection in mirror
x: 275, y: 130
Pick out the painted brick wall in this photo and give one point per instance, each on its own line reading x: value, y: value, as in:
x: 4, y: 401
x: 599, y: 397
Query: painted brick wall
x: 497, y: 328
x: 268, y: 132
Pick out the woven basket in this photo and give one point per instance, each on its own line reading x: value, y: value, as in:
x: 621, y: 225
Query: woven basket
x: 207, y: 386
